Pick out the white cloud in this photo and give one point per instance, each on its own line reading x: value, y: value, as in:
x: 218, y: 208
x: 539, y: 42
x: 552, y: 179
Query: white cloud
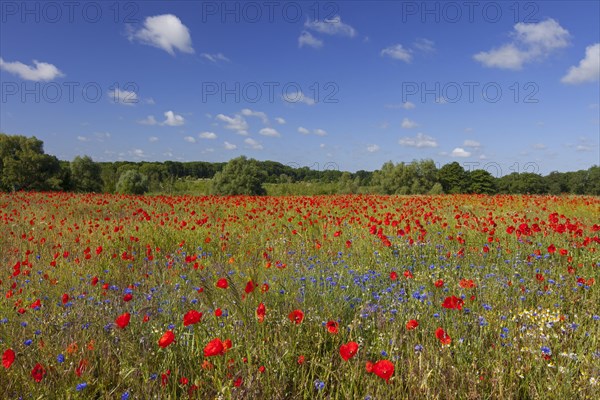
x: 420, y: 140
x: 280, y: 120
x: 41, y: 71
x: 190, y: 139
x: 397, y: 52
x: 125, y: 97
x: 425, y: 45
x: 303, y: 130
x: 372, y: 148
x: 472, y: 143
x: 149, y: 120
x: 166, y: 32
x: 149, y: 100
x: 298, y: 97
x: 173, y: 119
x: 333, y: 26
x: 588, y: 69
x: 83, y: 139
x: 236, y: 123
x: 138, y: 153
x: 229, y: 146
x: 408, y: 124
x: 249, y: 113
x: 307, y: 39
x: 460, y: 152
x: 583, y: 147
x: 214, y: 57
x: 207, y: 135
x: 253, y: 144
x: 153, y: 139
x: 319, y: 132
x: 532, y: 42
x: 269, y: 132
x: 539, y: 146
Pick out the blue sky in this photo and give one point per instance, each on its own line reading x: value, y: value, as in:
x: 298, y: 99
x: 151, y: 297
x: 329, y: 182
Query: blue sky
x: 504, y: 86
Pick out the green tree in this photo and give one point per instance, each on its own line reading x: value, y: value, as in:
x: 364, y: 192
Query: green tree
x: 132, y: 182
x: 453, y: 178
x: 239, y: 176
x: 482, y: 182
x: 24, y: 166
x: 86, y: 175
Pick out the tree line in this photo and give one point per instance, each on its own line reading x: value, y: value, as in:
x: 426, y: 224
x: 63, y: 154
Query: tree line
x: 25, y: 166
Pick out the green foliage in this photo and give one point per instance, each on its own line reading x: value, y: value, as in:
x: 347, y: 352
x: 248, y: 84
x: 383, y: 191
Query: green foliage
x: 86, y: 175
x: 481, y: 182
x: 240, y: 176
x: 132, y: 182
x: 24, y: 166
x: 453, y: 178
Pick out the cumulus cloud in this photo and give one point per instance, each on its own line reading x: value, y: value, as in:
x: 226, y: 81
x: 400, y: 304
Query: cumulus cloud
x: 408, y: 124
x: 125, y: 97
x: 236, y: 123
x: 229, y: 146
x: 173, y: 119
x: 424, y: 45
x: 165, y: 32
x: 407, y: 105
x: 190, y: 139
x: 253, y: 144
x: 531, y: 42
x: 207, y: 135
x: 303, y: 130
x: 319, y: 132
x: 280, y: 120
x: 333, y: 26
x: 259, y: 114
x: 41, y: 71
x: 269, y: 132
x: 398, y: 52
x: 419, y: 141
x: 307, y: 39
x: 460, y: 152
x: 298, y: 97
x: 588, y: 69
x: 153, y: 139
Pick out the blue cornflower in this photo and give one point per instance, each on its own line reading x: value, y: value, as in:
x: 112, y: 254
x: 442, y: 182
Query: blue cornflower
x: 81, y: 386
x: 125, y: 396
x: 28, y: 342
x: 319, y: 384
x: 60, y: 358
x: 546, y: 350
x: 418, y: 348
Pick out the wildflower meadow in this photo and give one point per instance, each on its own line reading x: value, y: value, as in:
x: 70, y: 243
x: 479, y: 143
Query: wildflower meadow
x: 326, y: 297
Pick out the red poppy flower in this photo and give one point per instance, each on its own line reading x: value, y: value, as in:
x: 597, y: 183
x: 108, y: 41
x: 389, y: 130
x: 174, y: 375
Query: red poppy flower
x: 222, y: 283
x: 218, y: 312
x: 250, y: 286
x: 348, y: 350
x: 384, y: 369
x: 166, y: 339
x: 123, y: 320
x: 332, y: 327
x: 369, y: 367
x: 81, y: 367
x: 261, y: 310
x: 36, y: 304
x: 65, y: 298
x: 412, y: 324
x: 296, y: 316
x: 393, y: 275
x: 442, y: 336
x: 551, y: 249
x: 127, y: 297
x: 191, y: 317
x: 8, y: 358
x: 408, y: 274
x: 214, y: 348
x: 300, y: 360
x: 439, y: 283
x: 453, y: 302
x: 466, y: 283
x: 264, y: 288
x: 38, y: 372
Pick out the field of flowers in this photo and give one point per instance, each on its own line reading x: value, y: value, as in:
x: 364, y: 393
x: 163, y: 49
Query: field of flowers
x: 338, y: 297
